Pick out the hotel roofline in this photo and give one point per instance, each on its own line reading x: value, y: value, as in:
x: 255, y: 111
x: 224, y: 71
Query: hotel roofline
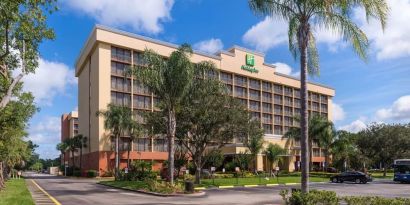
x: 216, y: 56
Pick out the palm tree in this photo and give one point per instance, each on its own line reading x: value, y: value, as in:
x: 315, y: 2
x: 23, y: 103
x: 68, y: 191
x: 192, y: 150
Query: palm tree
x: 317, y: 126
x: 273, y: 153
x: 135, y: 131
x: 116, y: 120
x: 71, y: 147
x: 303, y: 16
x: 80, y: 142
x: 326, y: 141
x: 62, y: 147
x: 168, y: 79
x: 254, y: 141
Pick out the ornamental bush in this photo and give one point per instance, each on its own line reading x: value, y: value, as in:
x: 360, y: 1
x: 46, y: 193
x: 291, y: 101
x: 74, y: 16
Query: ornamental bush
x: 91, y: 173
x: 314, y: 197
x: 374, y: 200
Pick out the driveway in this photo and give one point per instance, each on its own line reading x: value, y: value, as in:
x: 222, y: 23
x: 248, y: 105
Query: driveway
x: 87, y: 192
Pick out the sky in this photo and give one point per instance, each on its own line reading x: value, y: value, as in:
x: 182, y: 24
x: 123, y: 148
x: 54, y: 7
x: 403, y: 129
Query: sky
x: 376, y: 90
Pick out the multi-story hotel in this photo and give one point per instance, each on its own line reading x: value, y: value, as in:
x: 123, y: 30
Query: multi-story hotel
x: 69, y: 129
x: 272, y: 97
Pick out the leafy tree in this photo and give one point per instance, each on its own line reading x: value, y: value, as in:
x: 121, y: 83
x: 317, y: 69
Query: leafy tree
x: 168, y: 79
x: 303, y: 17
x: 213, y: 158
x: 117, y: 120
x: 273, y: 153
x: 242, y: 160
x: 135, y: 131
x: 345, y: 151
x: 319, y: 128
x: 254, y: 141
x: 23, y: 26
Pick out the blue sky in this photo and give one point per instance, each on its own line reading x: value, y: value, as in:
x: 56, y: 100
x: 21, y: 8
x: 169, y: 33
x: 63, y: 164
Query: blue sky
x: 374, y: 91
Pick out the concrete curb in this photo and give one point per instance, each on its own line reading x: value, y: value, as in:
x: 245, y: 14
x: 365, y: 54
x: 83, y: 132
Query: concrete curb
x: 253, y: 185
x: 156, y: 194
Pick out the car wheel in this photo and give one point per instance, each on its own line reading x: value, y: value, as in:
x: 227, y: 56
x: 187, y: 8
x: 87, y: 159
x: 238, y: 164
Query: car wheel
x: 334, y: 180
x: 358, y: 181
x: 364, y: 181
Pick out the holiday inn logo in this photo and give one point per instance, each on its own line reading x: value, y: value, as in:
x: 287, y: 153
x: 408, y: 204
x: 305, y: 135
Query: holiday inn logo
x: 250, y: 62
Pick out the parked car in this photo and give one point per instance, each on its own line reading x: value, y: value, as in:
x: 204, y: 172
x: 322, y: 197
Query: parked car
x: 352, y: 176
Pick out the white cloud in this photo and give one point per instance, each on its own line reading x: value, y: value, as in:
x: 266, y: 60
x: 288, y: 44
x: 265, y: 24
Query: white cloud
x: 394, y: 42
x: 267, y: 34
x: 355, y: 127
x: 46, y: 133
x: 399, y: 110
x: 141, y: 15
x: 212, y: 45
x: 285, y: 69
x: 338, y: 112
x: 50, y: 79
x: 272, y: 32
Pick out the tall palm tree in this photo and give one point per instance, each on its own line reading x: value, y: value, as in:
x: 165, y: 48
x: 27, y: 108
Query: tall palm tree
x: 168, y: 79
x: 80, y: 142
x: 326, y: 141
x: 116, y: 120
x: 303, y: 16
x: 71, y: 146
x: 273, y: 153
x: 62, y: 147
x: 317, y: 126
x: 254, y: 141
x: 135, y: 132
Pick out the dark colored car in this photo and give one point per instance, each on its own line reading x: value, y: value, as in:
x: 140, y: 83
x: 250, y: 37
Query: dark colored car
x: 351, y: 176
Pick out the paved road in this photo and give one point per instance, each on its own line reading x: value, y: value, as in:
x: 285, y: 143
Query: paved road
x: 86, y: 192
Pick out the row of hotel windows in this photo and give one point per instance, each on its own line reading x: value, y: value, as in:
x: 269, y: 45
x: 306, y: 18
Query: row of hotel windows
x: 286, y: 102
x: 143, y: 144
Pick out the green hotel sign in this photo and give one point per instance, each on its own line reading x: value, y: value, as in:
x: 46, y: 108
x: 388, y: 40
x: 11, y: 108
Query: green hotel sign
x: 250, y: 63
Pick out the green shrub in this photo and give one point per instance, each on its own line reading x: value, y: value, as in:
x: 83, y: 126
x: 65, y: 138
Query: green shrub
x: 223, y: 175
x: 91, y: 173
x: 77, y: 173
x: 108, y: 173
x: 374, y: 200
x: 230, y: 167
x: 314, y: 197
x: 163, y: 187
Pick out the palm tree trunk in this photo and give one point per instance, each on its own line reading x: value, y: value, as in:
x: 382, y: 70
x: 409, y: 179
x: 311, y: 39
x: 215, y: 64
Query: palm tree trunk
x: 171, y: 139
x: 310, y: 155
x: 326, y: 152
x: 72, y: 160
x: 303, y: 33
x: 117, y: 157
x: 81, y: 159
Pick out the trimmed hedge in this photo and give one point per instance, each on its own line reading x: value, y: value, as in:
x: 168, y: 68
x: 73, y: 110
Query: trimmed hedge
x: 91, y: 173
x: 374, y: 200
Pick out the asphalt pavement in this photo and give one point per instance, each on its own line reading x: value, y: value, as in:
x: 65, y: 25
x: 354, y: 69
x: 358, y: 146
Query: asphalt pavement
x: 87, y: 192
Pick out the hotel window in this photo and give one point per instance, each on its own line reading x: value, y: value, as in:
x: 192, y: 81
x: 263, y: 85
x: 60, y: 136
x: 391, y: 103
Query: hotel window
x: 254, y: 95
x: 288, y: 121
x: 240, y: 92
x: 278, y: 99
x: 288, y: 111
x: 323, y: 99
x: 266, y: 97
x: 138, y: 58
x: 120, y: 54
x: 253, y: 105
x: 278, y: 120
x: 278, y: 89
x: 124, y: 143
x: 254, y: 84
x: 119, y: 68
x: 244, y: 102
x: 267, y: 107
x: 142, y: 144
x: 297, y: 93
x: 139, y: 116
x: 278, y: 109
x: 267, y: 129
x: 75, y: 126
x: 288, y: 91
x: 316, y: 152
x: 288, y: 101
x: 278, y: 130
x: 156, y: 103
x: 267, y: 118
x: 120, y: 84
x: 297, y: 103
x: 323, y: 107
x: 142, y: 102
x: 121, y: 99
x: 315, y: 113
x: 212, y: 74
x: 140, y: 88
x: 160, y: 145
x: 226, y: 77
x: 240, y: 80
x: 315, y: 97
x: 315, y: 106
x: 285, y: 130
x: 228, y: 89
x: 324, y: 115
x: 267, y: 86
x: 255, y: 116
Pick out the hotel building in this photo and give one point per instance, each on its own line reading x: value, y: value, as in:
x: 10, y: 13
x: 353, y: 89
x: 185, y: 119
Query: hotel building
x: 272, y: 97
x: 69, y: 129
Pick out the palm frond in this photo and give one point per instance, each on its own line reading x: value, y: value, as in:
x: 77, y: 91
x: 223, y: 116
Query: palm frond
x: 283, y: 9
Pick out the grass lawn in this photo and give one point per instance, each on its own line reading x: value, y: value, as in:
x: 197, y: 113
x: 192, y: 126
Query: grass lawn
x: 257, y: 180
x: 16, y: 193
x: 377, y: 175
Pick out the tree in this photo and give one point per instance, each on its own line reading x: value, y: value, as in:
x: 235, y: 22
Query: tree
x: 80, y: 142
x: 326, y: 140
x: 345, y: 152
x: 302, y: 17
x: 71, y: 147
x: 319, y: 127
x: 135, y: 131
x: 242, y: 160
x: 213, y: 158
x: 62, y: 147
x: 169, y: 80
x: 117, y: 120
x: 273, y: 153
x: 23, y: 26
x: 254, y: 141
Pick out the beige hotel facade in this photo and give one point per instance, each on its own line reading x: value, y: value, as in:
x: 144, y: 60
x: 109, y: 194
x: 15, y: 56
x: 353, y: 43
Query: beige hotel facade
x: 272, y: 97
